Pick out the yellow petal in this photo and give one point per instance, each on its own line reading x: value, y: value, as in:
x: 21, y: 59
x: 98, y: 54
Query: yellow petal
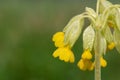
x: 56, y: 52
x: 58, y: 38
x: 65, y: 54
x: 81, y: 65
x: 91, y: 66
x: 72, y: 58
x: 58, y: 35
x: 59, y: 43
x: 86, y: 55
x: 103, y: 62
x: 111, y: 45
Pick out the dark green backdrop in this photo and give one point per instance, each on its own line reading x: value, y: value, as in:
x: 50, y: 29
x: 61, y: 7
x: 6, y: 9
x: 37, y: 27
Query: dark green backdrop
x: 26, y: 29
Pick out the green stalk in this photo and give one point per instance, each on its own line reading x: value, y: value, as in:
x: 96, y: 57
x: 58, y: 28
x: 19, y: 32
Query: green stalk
x: 97, y: 58
x: 97, y: 7
x: 97, y: 51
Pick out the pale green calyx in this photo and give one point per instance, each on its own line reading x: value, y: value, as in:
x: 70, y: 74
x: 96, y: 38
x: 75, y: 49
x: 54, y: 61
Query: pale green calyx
x: 73, y: 30
x: 88, y: 38
x: 117, y: 18
x: 108, y: 34
x: 116, y: 35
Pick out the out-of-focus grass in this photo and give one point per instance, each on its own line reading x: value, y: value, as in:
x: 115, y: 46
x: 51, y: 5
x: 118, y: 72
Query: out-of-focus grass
x: 26, y: 29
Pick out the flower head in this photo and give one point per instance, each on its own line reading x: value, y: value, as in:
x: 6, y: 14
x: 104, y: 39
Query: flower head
x: 95, y: 36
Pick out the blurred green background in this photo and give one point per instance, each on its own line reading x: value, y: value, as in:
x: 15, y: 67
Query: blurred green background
x: 26, y: 29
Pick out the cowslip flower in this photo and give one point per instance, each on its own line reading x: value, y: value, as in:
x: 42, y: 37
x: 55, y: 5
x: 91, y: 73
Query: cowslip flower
x: 102, y: 34
x: 103, y: 62
x: 63, y: 51
x: 85, y: 64
x: 65, y: 40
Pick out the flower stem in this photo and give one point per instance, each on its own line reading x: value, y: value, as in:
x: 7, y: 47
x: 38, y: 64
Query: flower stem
x: 97, y: 58
x: 97, y: 51
x: 97, y: 6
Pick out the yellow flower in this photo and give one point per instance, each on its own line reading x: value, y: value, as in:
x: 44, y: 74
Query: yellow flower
x: 103, y: 62
x: 81, y: 65
x: 58, y: 38
x: 85, y: 64
x: 65, y: 54
x: 86, y: 54
x: 111, y: 45
x: 90, y: 66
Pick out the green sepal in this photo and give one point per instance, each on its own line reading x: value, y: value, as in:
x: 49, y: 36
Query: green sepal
x: 117, y: 18
x: 108, y: 34
x: 73, y: 30
x: 116, y: 36
x: 88, y: 37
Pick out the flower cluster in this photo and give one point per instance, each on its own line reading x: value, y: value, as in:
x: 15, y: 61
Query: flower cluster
x: 101, y: 35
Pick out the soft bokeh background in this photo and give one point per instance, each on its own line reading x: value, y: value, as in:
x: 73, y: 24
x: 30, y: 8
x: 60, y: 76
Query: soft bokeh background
x: 26, y: 29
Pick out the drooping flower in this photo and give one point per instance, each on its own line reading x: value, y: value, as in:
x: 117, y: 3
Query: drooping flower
x: 85, y: 64
x: 103, y: 62
x: 63, y: 51
x: 65, y: 54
